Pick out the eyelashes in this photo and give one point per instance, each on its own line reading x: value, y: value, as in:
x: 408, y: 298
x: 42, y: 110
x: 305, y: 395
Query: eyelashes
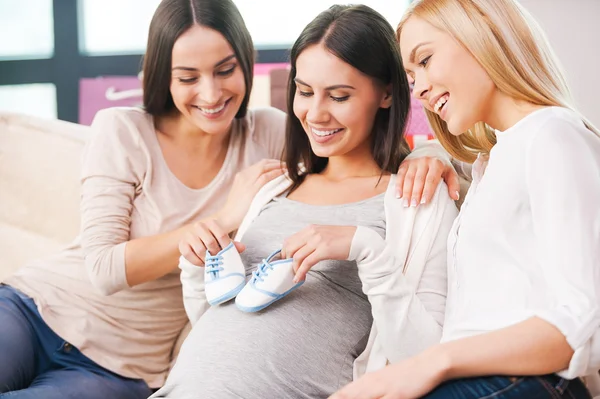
x: 187, y: 80
x: 227, y: 72
x: 424, y: 61
x: 334, y: 98
x: 194, y: 79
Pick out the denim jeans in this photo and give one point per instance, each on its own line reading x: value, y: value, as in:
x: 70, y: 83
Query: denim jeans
x: 37, y: 363
x: 543, y: 387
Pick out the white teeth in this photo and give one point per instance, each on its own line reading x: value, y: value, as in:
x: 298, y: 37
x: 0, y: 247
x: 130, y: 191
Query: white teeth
x: 440, y: 103
x: 323, y: 133
x: 212, y: 110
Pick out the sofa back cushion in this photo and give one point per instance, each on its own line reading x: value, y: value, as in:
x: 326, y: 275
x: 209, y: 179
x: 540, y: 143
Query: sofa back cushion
x: 39, y: 175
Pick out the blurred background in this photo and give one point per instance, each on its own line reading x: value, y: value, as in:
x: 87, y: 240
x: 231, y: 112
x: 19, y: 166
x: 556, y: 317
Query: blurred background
x: 66, y: 59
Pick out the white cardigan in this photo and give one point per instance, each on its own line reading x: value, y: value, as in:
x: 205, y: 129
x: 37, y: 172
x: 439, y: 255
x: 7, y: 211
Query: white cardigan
x: 403, y: 276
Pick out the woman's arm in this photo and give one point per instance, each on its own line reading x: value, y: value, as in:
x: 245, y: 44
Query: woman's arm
x: 563, y: 182
x: 241, y: 199
x: 422, y: 170
x: 149, y: 258
x: 113, y: 172
x: 563, y: 337
x: 268, y: 130
x: 114, y: 262
x: 195, y: 302
x: 566, y: 222
x: 433, y: 149
x: 404, y: 276
x: 114, y: 165
x: 408, y: 314
x: 532, y: 347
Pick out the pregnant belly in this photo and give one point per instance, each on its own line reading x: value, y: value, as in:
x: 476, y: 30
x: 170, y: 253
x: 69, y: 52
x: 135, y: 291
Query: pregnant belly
x: 302, y: 346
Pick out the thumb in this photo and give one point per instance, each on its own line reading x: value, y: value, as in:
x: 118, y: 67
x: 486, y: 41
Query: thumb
x: 239, y: 246
x: 451, y: 179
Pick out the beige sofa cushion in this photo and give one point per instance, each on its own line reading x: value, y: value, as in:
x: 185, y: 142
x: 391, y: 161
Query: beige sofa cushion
x: 39, y: 187
x: 39, y: 174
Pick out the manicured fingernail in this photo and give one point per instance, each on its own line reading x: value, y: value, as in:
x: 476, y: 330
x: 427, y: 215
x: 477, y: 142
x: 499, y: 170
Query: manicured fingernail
x: 295, y: 280
x: 413, y: 203
x: 398, y: 195
x: 405, y: 202
x: 423, y: 201
x: 457, y: 195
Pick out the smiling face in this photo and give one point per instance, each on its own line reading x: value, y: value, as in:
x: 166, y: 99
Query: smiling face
x: 447, y: 79
x: 335, y: 103
x: 207, y: 82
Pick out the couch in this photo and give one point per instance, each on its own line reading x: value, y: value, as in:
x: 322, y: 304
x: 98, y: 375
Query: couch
x: 39, y: 189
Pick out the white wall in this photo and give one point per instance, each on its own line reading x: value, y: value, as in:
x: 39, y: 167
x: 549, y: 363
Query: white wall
x: 573, y: 29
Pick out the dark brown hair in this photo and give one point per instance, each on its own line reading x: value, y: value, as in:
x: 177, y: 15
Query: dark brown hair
x: 361, y: 37
x: 171, y: 19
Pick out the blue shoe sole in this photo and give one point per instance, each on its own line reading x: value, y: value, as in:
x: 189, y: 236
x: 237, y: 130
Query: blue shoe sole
x: 228, y: 296
x: 261, y: 307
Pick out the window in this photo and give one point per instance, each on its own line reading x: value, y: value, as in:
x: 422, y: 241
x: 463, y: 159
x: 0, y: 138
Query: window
x: 121, y: 26
x: 108, y: 38
x: 111, y: 27
x: 26, y: 28
x: 30, y: 99
x: 277, y: 23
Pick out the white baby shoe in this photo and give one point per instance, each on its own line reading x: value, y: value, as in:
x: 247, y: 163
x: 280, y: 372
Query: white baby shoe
x: 224, y: 275
x: 270, y: 282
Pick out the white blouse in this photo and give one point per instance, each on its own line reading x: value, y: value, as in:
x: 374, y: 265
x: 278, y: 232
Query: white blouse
x: 527, y: 240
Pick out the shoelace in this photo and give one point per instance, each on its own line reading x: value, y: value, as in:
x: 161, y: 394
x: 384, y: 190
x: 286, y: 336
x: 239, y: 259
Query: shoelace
x: 262, y: 271
x: 213, y: 265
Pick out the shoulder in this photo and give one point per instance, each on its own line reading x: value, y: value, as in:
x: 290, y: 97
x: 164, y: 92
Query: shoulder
x: 121, y: 131
x: 266, y: 128
x: 440, y: 198
x: 561, y: 133
x: 122, y: 124
x: 441, y: 207
x: 556, y: 124
x: 266, y: 121
x: 122, y: 115
x: 563, y: 152
x: 267, y: 115
x: 418, y: 232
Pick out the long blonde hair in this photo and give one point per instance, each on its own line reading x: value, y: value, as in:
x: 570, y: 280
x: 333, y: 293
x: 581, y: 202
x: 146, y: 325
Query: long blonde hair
x: 510, y: 46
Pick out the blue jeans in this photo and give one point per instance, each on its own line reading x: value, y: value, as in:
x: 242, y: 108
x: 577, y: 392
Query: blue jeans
x: 543, y: 387
x: 37, y: 363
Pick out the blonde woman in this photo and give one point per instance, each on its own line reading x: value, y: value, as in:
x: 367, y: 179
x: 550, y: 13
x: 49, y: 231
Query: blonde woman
x: 522, y: 312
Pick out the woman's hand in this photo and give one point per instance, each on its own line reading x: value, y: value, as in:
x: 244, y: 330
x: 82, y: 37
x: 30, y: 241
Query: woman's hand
x: 202, y: 236
x: 409, y: 379
x: 316, y: 243
x: 213, y: 234
x: 245, y: 186
x: 418, y: 178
